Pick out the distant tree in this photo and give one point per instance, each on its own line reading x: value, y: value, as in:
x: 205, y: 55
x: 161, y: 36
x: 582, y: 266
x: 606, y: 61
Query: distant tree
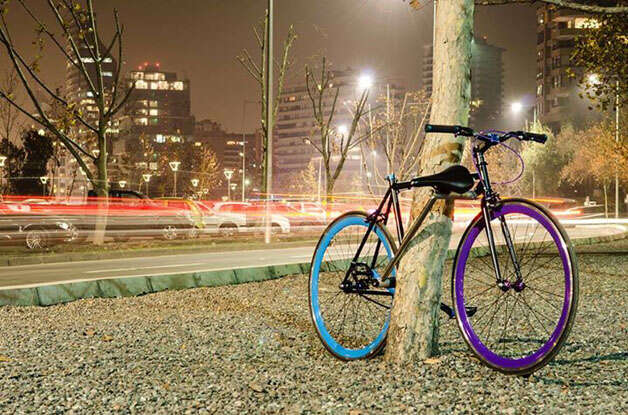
x: 601, y: 55
x: 597, y: 161
x: 206, y: 168
x: 305, y: 183
x: 15, y: 156
x: 332, y: 144
x: 38, y: 150
x: 257, y: 69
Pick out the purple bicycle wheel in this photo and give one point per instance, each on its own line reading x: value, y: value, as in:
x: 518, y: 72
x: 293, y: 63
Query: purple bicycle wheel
x: 519, y: 326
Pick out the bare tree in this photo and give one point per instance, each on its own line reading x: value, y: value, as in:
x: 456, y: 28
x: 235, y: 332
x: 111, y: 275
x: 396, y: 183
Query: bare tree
x: 78, y: 32
x: 258, y: 72
x: 397, y: 133
x: 332, y: 145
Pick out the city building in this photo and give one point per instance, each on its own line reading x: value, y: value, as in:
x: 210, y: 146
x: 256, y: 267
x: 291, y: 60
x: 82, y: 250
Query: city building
x: 557, y: 93
x: 158, y: 108
x: 239, y: 154
x: 487, y: 78
x: 296, y: 126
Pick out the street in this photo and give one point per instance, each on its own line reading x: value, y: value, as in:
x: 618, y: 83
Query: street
x: 43, y: 274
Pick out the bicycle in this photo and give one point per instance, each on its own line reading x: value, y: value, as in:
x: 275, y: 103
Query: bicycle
x: 527, y: 279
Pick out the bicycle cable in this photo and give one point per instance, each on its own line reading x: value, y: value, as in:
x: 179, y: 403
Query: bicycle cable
x: 492, y: 135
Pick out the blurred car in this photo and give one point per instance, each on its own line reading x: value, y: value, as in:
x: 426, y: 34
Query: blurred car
x: 306, y: 213
x: 19, y: 225
x: 226, y: 223
x: 128, y: 214
x: 585, y: 212
x: 255, y: 212
x: 189, y: 208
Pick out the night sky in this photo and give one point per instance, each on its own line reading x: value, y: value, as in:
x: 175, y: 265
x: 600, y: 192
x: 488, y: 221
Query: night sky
x: 199, y: 39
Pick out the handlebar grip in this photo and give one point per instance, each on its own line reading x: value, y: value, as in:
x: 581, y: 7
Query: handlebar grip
x: 449, y: 129
x: 539, y: 138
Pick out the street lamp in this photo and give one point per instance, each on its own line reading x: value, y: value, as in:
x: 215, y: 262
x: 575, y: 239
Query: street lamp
x: 228, y: 175
x: 43, y: 180
x: 365, y: 82
x: 343, y: 130
x: 516, y: 107
x: 3, y: 159
x: 122, y: 183
x: 174, y: 165
x: 194, y: 182
x: 146, y: 177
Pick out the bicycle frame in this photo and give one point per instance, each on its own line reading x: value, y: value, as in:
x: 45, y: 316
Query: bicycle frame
x: 390, y: 202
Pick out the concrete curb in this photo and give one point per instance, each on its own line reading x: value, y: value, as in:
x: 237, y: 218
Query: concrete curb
x: 46, y: 295
x: 51, y: 258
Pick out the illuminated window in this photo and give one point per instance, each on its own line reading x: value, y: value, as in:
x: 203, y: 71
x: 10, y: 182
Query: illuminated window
x: 143, y: 102
x: 107, y: 73
x: 140, y: 84
x: 159, y: 138
x: 292, y: 98
x: 89, y: 94
x: 141, y: 121
x: 87, y: 60
x: 142, y: 111
x: 153, y: 85
x: 198, y: 144
x: 107, y: 60
x: 162, y: 85
x: 539, y: 90
x: 137, y: 75
x: 178, y: 85
x: 153, y: 112
x: 153, y: 103
x: 585, y: 23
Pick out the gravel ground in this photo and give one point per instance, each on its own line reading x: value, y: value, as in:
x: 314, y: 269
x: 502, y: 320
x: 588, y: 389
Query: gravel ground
x: 251, y: 349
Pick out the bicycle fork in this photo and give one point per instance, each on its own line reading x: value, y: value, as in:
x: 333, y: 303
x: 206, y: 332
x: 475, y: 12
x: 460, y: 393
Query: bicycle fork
x: 503, y: 283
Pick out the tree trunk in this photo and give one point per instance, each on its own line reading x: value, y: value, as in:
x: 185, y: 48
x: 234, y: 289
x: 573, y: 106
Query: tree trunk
x: 102, y: 191
x: 413, y: 332
x: 605, y: 186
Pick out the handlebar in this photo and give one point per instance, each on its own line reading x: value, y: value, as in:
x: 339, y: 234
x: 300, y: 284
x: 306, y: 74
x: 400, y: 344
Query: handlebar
x: 449, y: 129
x: 468, y: 132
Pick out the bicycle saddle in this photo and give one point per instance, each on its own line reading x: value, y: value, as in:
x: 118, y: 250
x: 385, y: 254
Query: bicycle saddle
x: 455, y: 179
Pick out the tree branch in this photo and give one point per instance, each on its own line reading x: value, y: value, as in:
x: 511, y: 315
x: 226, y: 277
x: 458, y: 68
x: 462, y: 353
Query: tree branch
x: 561, y: 3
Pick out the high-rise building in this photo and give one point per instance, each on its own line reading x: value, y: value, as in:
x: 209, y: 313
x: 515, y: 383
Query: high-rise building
x: 487, y: 77
x: 557, y: 94
x: 296, y: 125
x: 158, y: 108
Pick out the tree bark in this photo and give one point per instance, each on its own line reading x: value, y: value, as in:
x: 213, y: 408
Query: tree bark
x: 413, y: 332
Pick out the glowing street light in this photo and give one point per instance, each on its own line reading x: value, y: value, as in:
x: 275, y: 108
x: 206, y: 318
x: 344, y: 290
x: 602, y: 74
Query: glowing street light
x: 516, y: 107
x: 365, y: 82
x: 43, y: 180
x: 343, y: 130
x: 194, y: 182
x: 174, y: 166
x: 146, y: 177
x: 122, y: 184
x: 593, y: 79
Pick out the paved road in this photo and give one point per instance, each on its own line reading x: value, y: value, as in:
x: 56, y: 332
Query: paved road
x: 43, y: 274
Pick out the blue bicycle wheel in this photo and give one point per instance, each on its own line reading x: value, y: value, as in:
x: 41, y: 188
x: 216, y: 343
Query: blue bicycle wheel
x: 350, y: 312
